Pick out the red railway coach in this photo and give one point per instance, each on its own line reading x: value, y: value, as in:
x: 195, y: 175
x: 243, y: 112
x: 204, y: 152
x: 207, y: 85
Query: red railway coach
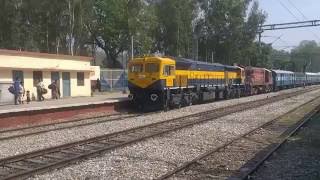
x: 258, y: 80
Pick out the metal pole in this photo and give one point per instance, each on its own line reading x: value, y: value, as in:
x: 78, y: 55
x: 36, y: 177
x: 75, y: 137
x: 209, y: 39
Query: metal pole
x: 260, y: 40
x: 212, y: 57
x: 94, y: 55
x: 123, y: 75
x: 259, y: 47
x: 197, y: 52
x: 132, y: 48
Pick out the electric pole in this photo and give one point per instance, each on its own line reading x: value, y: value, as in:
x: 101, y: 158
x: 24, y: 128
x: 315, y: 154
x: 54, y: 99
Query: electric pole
x: 132, y: 55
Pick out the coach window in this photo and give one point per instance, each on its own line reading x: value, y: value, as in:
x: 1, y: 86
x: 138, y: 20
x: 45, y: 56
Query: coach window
x: 168, y: 70
x: 152, y: 68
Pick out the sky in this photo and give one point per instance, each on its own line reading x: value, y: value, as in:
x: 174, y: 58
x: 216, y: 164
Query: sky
x: 282, y: 11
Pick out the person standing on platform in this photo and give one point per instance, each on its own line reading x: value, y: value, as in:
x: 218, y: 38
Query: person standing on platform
x: 21, y: 93
x: 98, y: 85
x: 40, y: 88
x: 28, y: 97
x: 58, y: 89
x: 54, y: 89
x: 16, y: 87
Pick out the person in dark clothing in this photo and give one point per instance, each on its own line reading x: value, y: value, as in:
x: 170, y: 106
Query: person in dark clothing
x: 98, y: 85
x: 28, y: 97
x: 21, y: 93
x: 17, y: 88
x: 40, y: 88
x: 54, y: 90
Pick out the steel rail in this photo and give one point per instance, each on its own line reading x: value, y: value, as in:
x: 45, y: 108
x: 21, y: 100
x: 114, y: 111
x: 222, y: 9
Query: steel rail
x: 55, y: 123
x: 28, y: 164
x: 245, y: 174
x: 36, y: 132
x: 218, y: 149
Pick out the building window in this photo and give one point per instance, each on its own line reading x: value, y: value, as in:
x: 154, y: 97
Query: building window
x: 80, y: 78
x: 37, y: 77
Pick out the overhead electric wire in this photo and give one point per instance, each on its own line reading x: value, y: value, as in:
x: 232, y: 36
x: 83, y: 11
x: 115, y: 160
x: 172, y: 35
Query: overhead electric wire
x: 297, y: 9
x: 294, y: 6
x: 276, y: 39
x: 305, y: 17
x: 289, y: 11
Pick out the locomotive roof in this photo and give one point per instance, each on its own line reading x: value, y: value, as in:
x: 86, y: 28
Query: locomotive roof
x: 312, y: 74
x: 283, y: 72
x: 188, y: 64
x: 256, y: 68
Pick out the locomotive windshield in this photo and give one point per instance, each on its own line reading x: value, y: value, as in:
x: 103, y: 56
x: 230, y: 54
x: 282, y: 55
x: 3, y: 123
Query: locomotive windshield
x: 152, y: 68
x: 136, y: 68
x: 168, y: 70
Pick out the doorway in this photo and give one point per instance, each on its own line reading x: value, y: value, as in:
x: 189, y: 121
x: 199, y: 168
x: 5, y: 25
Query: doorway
x: 17, y: 74
x: 66, y: 84
x: 55, y: 76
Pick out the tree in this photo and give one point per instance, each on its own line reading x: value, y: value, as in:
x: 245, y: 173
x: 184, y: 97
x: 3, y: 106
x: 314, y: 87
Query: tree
x: 281, y: 60
x: 112, y: 30
x: 175, y: 29
x: 37, y: 25
x: 306, y: 57
x: 228, y: 31
x: 143, y: 28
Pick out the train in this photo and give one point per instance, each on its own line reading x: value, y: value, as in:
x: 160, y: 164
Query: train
x: 174, y: 82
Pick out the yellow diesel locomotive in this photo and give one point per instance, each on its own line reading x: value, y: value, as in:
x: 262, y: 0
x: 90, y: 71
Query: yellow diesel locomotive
x: 165, y: 82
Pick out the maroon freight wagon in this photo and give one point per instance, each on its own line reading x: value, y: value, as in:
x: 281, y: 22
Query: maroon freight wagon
x: 258, y: 80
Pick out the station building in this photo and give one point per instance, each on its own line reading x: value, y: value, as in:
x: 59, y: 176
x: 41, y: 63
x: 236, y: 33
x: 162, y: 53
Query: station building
x: 74, y: 73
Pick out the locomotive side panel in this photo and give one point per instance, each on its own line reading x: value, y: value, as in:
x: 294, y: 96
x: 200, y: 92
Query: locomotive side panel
x: 258, y: 80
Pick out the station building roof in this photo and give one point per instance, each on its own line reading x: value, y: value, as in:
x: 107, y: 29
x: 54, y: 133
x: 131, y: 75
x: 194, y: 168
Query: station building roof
x: 22, y: 60
x: 42, y: 55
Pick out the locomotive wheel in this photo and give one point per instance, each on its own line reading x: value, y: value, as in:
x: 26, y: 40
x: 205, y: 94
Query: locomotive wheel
x: 166, y: 106
x: 141, y: 107
x: 238, y: 93
x: 226, y: 94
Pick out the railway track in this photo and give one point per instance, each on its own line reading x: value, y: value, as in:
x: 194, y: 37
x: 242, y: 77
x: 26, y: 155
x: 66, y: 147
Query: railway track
x: 260, y: 143
x: 9, y: 134
x: 45, y: 128
x: 250, y: 169
x: 25, y: 165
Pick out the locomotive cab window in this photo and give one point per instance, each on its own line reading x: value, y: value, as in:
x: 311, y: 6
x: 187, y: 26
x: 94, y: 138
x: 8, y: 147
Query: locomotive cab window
x: 136, y: 68
x: 151, y: 68
x: 168, y: 70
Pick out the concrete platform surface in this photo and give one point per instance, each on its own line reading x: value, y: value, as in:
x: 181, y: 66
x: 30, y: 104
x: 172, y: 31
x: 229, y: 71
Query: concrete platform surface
x: 108, y: 98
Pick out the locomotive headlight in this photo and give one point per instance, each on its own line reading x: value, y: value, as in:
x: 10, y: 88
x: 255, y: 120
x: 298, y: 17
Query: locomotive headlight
x: 130, y: 97
x: 154, y: 97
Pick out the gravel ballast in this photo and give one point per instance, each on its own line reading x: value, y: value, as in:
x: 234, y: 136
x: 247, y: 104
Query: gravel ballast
x: 154, y: 157
x: 36, y: 142
x: 298, y: 158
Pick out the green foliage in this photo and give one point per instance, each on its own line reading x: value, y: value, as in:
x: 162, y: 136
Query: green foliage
x: 228, y: 31
x: 223, y: 31
x: 175, y: 26
x: 112, y: 31
x: 38, y: 25
x: 306, y: 57
x: 281, y: 60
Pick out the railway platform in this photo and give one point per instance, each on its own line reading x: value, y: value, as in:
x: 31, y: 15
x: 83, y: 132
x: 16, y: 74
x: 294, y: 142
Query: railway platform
x: 61, y: 110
